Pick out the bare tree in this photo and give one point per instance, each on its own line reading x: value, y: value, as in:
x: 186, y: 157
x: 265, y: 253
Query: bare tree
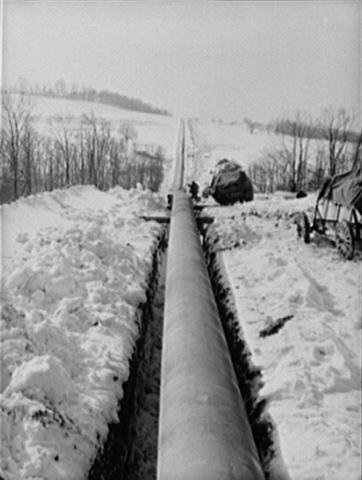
x: 320, y: 168
x: 129, y: 135
x: 28, y: 162
x: 60, y: 87
x: 16, y: 116
x: 94, y: 155
x: 357, y: 156
x: 63, y: 143
x: 285, y: 163
x: 90, y: 138
x: 298, y: 150
x: 335, y: 128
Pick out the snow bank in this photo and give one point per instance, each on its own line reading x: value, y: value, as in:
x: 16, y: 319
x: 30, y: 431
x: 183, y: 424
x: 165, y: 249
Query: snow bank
x: 300, y: 312
x: 75, y: 265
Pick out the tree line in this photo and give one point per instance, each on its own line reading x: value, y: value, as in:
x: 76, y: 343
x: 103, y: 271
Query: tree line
x: 91, y: 154
x: 304, y: 153
x: 61, y: 89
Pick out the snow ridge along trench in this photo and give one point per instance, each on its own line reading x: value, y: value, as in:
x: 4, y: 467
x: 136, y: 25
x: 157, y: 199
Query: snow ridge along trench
x: 303, y: 331
x: 249, y: 375
x: 130, y: 451
x: 76, y: 265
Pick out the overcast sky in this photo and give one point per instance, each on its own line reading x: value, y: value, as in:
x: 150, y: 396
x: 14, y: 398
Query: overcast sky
x: 207, y: 58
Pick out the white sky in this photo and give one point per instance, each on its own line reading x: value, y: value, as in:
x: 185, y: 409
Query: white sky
x: 208, y: 58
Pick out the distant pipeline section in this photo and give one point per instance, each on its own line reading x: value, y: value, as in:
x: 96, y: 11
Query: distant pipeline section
x: 179, y: 176
x: 203, y: 427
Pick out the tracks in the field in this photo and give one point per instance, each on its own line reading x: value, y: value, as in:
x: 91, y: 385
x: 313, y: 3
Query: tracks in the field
x: 191, y: 418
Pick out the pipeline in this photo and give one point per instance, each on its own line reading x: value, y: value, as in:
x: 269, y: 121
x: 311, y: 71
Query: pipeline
x: 203, y: 428
x: 179, y: 174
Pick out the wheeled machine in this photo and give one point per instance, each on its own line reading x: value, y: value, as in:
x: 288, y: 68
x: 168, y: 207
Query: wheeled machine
x: 337, y: 213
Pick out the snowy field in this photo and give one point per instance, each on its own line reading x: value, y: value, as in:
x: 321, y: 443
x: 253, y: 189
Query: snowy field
x: 299, y: 308
x: 216, y: 141
x: 52, y: 114
x: 75, y: 267
x: 300, y: 313
x: 234, y: 141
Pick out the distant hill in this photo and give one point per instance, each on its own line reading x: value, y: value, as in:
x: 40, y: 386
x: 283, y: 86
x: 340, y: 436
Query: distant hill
x: 105, y: 97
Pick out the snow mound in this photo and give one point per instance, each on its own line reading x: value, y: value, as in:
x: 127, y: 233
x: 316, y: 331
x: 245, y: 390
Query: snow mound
x: 76, y: 263
x: 231, y: 229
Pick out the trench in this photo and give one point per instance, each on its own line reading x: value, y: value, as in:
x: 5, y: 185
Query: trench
x: 130, y: 451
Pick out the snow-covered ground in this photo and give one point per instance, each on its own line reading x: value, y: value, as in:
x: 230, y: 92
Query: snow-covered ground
x: 300, y: 313
x: 231, y: 141
x: 53, y: 114
x: 75, y: 267
x: 299, y: 308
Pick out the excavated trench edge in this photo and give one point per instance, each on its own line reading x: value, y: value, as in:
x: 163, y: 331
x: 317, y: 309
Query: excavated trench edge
x: 248, y: 375
x: 122, y: 455
x: 125, y: 454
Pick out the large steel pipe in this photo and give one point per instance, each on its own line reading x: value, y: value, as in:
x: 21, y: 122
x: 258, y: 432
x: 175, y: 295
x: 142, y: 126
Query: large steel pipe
x: 179, y: 173
x: 203, y: 430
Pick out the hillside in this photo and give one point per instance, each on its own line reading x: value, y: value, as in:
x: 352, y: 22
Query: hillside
x: 267, y: 157
x: 50, y: 113
x: 69, y: 142
x: 89, y: 94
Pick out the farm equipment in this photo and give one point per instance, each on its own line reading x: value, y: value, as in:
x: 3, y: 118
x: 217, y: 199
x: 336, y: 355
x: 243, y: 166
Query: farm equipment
x: 337, y: 213
x: 229, y: 184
